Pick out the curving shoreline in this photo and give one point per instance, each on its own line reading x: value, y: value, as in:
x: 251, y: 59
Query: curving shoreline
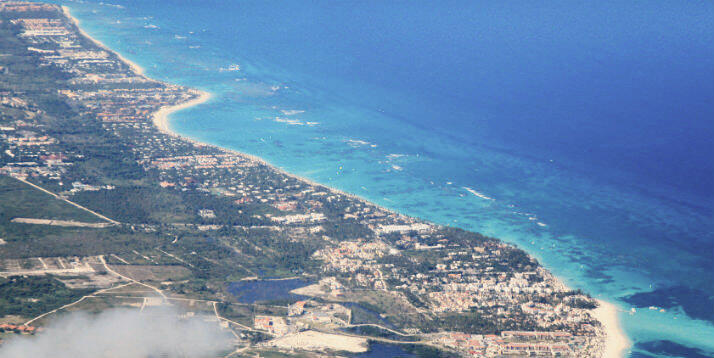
x: 161, y: 120
x: 616, y: 342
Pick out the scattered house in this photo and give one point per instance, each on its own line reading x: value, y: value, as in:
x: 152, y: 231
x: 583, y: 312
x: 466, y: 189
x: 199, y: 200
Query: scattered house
x: 207, y: 213
x: 272, y: 324
x: 18, y: 329
x: 296, y: 309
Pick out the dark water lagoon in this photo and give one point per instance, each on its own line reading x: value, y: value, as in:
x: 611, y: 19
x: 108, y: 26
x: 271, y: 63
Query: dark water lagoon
x: 266, y: 290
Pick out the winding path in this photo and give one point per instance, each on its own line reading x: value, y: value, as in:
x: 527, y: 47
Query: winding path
x: 75, y: 302
x: 106, y: 266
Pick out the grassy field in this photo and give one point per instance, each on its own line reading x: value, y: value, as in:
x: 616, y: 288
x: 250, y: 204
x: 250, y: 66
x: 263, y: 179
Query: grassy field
x: 19, y: 200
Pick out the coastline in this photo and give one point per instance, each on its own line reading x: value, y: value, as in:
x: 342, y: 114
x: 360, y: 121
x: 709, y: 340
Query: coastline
x: 135, y: 67
x: 616, y: 342
x: 160, y: 118
x: 162, y: 122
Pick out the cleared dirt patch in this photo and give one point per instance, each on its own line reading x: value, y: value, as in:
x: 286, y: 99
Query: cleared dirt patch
x: 65, y: 223
x: 318, y: 341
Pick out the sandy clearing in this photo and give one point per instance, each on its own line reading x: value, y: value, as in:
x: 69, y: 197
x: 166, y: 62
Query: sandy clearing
x: 313, y: 340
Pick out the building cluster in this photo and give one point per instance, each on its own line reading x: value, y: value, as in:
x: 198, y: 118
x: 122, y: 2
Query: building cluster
x: 358, y: 258
x: 516, y: 343
x: 43, y: 30
x: 25, y: 7
x: 476, y: 278
x: 26, y: 149
x: 272, y: 324
x: 304, y: 315
x: 20, y: 329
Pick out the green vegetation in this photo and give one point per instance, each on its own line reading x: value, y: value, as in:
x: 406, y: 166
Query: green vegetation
x: 24, y: 240
x: 29, y: 296
x: 19, y: 200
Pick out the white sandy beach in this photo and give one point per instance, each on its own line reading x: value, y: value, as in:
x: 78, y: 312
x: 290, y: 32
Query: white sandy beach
x: 136, y: 68
x: 616, y: 342
x: 161, y: 117
x: 161, y: 120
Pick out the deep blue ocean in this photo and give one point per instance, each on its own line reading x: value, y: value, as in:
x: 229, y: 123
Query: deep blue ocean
x: 581, y: 131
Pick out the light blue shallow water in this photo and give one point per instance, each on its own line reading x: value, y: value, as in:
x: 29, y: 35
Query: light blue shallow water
x: 581, y: 132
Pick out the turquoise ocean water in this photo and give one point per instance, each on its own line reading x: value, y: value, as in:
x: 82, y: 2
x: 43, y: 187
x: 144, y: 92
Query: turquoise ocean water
x: 580, y: 131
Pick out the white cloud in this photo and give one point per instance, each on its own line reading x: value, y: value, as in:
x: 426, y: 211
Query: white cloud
x: 122, y: 333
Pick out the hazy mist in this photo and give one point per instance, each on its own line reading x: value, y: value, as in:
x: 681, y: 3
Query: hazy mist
x: 122, y: 333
